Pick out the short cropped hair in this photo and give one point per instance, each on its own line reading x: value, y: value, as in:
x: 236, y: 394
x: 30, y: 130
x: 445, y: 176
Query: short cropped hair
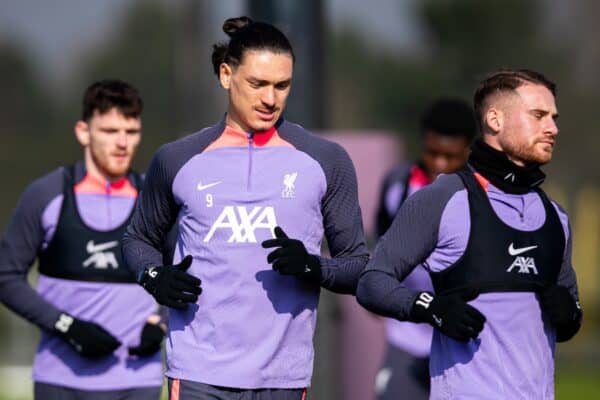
x: 505, y: 80
x: 106, y: 94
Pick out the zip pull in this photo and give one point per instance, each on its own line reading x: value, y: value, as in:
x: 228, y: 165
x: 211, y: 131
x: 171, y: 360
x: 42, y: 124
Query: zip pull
x: 250, y: 136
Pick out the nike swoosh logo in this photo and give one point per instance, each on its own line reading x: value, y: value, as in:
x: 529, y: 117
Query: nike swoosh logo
x: 94, y: 248
x: 208, y: 185
x: 515, y: 252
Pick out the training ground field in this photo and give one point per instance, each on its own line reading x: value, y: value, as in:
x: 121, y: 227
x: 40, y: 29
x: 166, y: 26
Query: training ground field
x: 572, y: 385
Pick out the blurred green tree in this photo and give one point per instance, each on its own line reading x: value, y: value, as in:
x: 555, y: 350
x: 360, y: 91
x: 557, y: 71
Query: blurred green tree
x: 141, y: 50
x: 464, y: 40
x: 26, y: 114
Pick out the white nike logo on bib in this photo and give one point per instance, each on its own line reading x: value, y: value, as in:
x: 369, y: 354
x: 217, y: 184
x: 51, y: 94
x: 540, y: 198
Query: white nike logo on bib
x: 91, y: 247
x: 515, y: 252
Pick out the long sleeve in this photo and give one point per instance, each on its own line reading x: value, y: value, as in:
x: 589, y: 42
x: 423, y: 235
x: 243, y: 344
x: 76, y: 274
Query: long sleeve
x: 568, y: 279
x: 18, y: 250
x: 343, y: 229
x: 147, y: 235
x: 412, y: 237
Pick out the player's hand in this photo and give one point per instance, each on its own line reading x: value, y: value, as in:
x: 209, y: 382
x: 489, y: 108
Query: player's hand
x: 562, y: 310
x: 150, y: 340
x: 171, y: 285
x: 291, y: 257
x: 450, y: 314
x: 87, y: 338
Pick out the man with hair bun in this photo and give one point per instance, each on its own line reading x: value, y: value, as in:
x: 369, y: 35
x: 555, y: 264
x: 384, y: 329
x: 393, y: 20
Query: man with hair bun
x: 498, y: 252
x: 447, y: 130
x: 252, y: 198
x: 101, y: 334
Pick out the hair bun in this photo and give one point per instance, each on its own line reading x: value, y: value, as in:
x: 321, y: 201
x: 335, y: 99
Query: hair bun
x: 232, y: 25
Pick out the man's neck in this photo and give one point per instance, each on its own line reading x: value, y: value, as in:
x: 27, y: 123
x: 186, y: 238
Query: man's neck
x: 235, y: 123
x: 96, y: 173
x: 492, y: 141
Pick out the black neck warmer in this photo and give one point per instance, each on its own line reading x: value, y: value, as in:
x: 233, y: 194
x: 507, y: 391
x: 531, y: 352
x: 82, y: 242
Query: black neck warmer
x: 495, y: 166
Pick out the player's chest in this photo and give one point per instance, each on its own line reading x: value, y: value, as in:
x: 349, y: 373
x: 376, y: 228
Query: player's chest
x: 238, y: 188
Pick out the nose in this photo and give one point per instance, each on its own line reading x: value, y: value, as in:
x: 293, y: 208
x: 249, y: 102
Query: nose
x: 122, y: 139
x: 552, y: 127
x: 268, y: 96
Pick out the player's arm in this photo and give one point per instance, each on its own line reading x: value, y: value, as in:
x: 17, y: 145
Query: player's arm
x: 561, y: 301
x: 342, y: 222
x: 18, y: 249
x: 413, y: 236
x: 344, y: 232
x: 144, y: 241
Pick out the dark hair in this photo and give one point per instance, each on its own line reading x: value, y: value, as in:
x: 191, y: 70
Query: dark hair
x: 245, y: 35
x: 506, y: 80
x: 449, y: 117
x: 103, y: 95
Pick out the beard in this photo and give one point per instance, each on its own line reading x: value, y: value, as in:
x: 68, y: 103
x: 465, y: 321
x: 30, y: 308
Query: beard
x: 110, y: 168
x: 527, y: 153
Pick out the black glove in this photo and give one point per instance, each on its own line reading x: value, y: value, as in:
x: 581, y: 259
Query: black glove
x: 450, y: 314
x: 150, y: 341
x: 87, y: 338
x: 291, y: 257
x: 562, y: 310
x: 170, y: 285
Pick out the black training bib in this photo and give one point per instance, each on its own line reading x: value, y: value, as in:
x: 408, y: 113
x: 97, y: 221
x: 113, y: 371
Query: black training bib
x: 499, y: 258
x: 77, y: 252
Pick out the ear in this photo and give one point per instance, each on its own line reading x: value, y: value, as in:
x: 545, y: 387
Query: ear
x: 494, y: 119
x: 82, y: 132
x: 225, y: 73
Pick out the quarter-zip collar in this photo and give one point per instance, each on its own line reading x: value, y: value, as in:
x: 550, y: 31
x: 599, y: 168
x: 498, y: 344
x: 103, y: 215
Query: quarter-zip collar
x: 239, y: 138
x: 86, y: 183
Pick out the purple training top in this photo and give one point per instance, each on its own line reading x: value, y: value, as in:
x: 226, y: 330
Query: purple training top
x: 226, y: 191
x: 513, y: 356
x: 121, y: 308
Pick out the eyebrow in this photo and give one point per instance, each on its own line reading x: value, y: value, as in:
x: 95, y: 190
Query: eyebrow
x: 543, y: 112
x: 110, y: 129
x: 265, y: 82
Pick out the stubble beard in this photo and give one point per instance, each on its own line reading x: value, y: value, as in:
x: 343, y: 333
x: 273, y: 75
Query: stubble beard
x: 112, y: 173
x: 524, y: 152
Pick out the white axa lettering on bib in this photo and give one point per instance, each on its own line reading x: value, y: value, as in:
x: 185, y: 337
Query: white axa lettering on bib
x: 243, y: 223
x: 525, y: 265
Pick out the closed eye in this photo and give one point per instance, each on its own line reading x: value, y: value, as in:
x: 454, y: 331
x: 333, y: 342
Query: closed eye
x: 539, y: 114
x: 283, y: 85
